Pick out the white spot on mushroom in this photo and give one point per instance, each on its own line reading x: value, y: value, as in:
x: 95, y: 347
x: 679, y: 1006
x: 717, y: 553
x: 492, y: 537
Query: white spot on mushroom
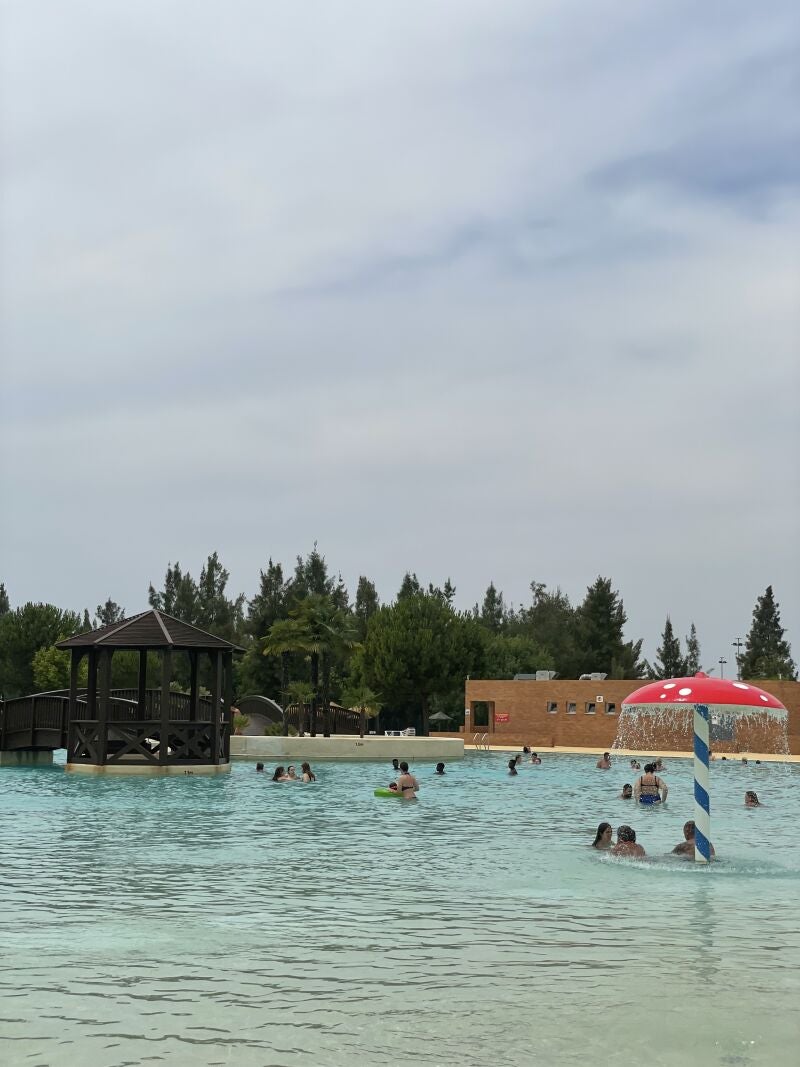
x: 741, y: 685
x: 764, y: 698
x: 670, y: 685
x: 663, y: 696
x: 684, y: 692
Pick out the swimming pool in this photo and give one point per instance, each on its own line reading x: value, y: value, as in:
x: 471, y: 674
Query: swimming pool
x: 229, y: 920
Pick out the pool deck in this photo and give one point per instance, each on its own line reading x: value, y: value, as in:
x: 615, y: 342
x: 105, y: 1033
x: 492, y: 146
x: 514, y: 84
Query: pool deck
x: 639, y: 753
x: 346, y: 747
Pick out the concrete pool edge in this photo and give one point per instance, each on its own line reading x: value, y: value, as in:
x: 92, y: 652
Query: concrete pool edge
x: 626, y: 753
x: 348, y: 747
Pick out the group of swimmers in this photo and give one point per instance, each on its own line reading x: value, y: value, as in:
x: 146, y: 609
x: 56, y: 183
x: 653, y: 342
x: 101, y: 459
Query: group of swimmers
x: 533, y: 757
x: 627, y: 845
x: 289, y: 774
x: 406, y: 783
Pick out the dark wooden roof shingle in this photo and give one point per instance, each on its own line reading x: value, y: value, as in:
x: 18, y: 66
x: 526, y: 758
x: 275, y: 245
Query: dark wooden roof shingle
x: 150, y: 629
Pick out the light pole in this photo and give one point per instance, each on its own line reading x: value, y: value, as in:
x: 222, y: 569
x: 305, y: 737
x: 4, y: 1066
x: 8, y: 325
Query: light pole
x: 737, y: 644
x: 722, y: 663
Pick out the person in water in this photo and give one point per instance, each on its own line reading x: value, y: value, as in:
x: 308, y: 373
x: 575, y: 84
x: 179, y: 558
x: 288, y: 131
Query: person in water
x: 535, y: 757
x: 525, y: 750
x: 686, y: 847
x: 751, y: 799
x: 603, y: 836
x: 649, y: 788
x: 291, y: 774
x: 395, y: 764
x: 407, y: 783
x: 604, y: 764
x: 658, y: 765
x: 626, y: 844
x: 260, y: 768
x: 439, y: 769
x: 635, y: 765
x: 308, y: 774
x: 279, y: 775
x: 627, y: 792
x: 512, y: 767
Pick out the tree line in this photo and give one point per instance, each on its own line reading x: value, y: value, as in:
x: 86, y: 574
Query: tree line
x: 306, y: 641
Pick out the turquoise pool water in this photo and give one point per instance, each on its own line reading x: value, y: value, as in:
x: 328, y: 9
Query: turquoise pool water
x: 233, y: 921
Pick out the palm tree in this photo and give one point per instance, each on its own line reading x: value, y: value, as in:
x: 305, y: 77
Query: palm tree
x: 323, y: 632
x: 362, y: 698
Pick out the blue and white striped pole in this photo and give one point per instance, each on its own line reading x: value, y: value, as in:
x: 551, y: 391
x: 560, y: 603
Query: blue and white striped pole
x: 702, y: 805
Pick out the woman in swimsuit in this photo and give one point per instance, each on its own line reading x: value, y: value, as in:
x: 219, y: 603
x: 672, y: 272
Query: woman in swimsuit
x: 407, y: 783
x: 603, y: 838
x: 649, y: 788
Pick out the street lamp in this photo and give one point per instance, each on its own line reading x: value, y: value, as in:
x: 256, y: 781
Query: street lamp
x: 722, y: 663
x: 737, y: 644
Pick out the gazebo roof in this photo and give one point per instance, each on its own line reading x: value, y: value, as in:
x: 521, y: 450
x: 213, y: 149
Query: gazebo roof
x: 150, y: 629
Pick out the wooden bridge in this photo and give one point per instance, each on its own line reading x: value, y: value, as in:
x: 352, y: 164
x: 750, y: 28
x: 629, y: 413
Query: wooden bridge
x: 40, y: 723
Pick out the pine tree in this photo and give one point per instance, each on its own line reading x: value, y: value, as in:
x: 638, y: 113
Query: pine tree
x: 692, y: 652
x: 669, y: 661
x: 492, y: 613
x: 5, y: 605
x: 367, y: 604
x: 767, y: 654
x: 409, y: 587
x: 108, y: 613
x: 600, y: 622
x: 311, y: 576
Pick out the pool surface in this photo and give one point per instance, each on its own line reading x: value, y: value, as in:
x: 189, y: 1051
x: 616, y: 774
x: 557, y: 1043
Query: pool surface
x: 231, y: 920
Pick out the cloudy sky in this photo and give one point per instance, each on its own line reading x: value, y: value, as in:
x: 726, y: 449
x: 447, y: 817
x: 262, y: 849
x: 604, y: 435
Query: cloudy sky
x: 494, y: 291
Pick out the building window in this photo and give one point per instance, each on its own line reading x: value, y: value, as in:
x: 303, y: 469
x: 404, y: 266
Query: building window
x: 591, y: 707
x: 611, y: 709
x: 571, y: 708
x: 552, y: 707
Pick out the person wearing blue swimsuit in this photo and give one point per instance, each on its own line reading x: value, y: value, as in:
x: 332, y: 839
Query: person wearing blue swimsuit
x: 649, y: 788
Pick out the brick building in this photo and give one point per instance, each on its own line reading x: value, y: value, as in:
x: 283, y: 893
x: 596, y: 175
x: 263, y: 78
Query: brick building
x: 571, y: 713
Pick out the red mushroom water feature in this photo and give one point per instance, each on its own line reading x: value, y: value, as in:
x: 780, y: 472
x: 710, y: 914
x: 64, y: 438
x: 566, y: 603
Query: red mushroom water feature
x: 707, y: 700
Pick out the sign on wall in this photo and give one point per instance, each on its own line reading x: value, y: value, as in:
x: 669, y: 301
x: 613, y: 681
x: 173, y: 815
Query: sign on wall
x: 502, y: 716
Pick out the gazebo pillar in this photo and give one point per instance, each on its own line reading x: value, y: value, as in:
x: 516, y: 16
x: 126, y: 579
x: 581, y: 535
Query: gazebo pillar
x: 72, y: 708
x: 194, y: 688
x: 166, y: 678
x: 104, y: 699
x: 226, y: 720
x: 141, y: 693
x: 216, y: 704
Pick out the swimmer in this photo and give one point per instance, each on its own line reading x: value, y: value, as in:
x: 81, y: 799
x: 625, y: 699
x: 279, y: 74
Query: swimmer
x: 407, y: 783
x: 525, y: 750
x: 393, y: 786
x: 686, y: 847
x: 395, y: 764
x: 308, y: 774
x: 744, y: 761
x: 259, y: 768
x: 635, y: 765
x: 535, y: 757
x: 279, y: 775
x: 291, y: 774
x: 512, y: 766
x: 439, y: 769
x: 649, y: 788
x: 603, y: 837
x: 751, y: 799
x: 627, y: 792
x: 626, y: 844
x: 659, y: 766
x: 604, y: 764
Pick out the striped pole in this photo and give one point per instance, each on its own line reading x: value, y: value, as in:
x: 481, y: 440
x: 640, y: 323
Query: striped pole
x: 702, y: 805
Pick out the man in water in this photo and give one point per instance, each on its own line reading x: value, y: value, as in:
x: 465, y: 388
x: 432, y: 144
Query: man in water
x: 395, y: 764
x: 626, y: 844
x: 627, y: 792
x: 535, y: 757
x: 604, y: 764
x: 686, y: 847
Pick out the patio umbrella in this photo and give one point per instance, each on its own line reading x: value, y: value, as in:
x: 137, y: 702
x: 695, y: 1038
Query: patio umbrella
x: 440, y: 716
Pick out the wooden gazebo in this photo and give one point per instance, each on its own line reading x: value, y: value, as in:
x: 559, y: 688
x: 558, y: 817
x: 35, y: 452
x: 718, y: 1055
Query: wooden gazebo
x: 149, y: 730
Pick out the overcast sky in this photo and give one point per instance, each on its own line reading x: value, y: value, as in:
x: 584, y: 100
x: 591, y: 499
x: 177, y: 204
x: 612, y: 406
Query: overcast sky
x: 494, y: 291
